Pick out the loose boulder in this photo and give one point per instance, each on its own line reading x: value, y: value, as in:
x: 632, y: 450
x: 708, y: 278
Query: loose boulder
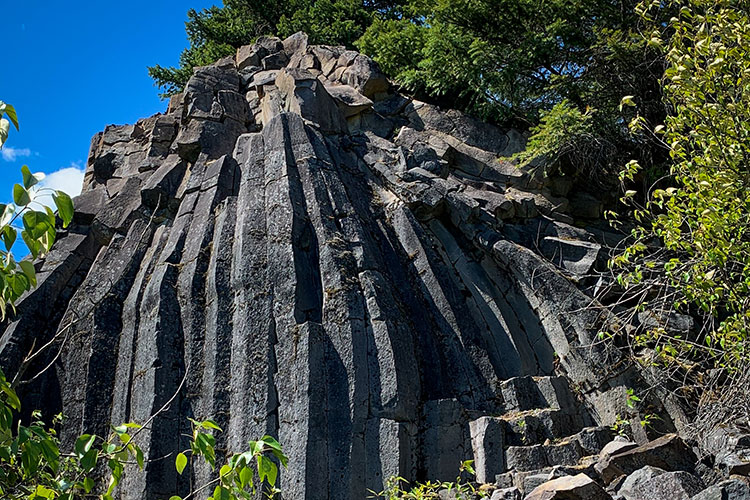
x: 667, y: 452
x: 579, y: 487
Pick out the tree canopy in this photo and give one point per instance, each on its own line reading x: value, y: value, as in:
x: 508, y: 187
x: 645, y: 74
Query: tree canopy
x: 506, y: 61
x: 218, y: 31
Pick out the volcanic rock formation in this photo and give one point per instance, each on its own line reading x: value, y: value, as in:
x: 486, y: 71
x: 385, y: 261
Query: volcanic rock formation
x: 297, y: 249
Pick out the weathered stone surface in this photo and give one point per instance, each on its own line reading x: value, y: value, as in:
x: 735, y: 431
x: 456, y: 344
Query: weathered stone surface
x: 532, y: 481
x: 528, y: 393
x: 247, y: 56
x: 487, y: 442
x: 734, y: 462
x: 593, y: 439
x: 579, y: 487
x: 578, y: 257
x: 529, y: 458
x: 539, y: 426
x: 365, y: 76
x: 618, y: 445
x: 506, y: 494
x: 296, y: 43
x: 265, y: 77
x: 668, y: 452
x: 380, y: 305
x: 630, y: 487
x: 274, y: 61
x: 731, y: 489
x: 678, y: 485
x: 730, y: 444
x: 306, y: 96
x: 349, y: 101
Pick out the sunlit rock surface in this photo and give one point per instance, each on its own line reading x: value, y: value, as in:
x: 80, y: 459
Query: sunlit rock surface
x: 357, y: 273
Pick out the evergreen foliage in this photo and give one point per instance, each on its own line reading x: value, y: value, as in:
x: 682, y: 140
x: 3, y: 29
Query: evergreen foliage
x: 506, y: 61
x: 218, y: 31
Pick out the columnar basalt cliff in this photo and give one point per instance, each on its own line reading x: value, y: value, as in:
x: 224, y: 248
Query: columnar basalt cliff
x: 297, y: 249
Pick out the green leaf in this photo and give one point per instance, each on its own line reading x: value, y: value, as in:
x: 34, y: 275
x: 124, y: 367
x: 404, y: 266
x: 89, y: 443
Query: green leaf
x: 628, y: 100
x: 221, y: 493
x: 51, y: 453
x: 11, y: 112
x: 210, y: 424
x: 275, y: 449
x: 20, y: 283
x: 267, y: 470
x: 120, y: 429
x: 6, y: 213
x: 28, y: 269
x: 21, y: 196
x: 139, y: 457
x: 116, y: 468
x: 29, y: 179
x: 13, y: 400
x: 9, y: 237
x: 88, y: 485
x: 246, y: 477
x: 468, y: 466
x: 33, y: 245
x: 256, y: 447
x: 88, y: 461
x: 39, y: 227
x: 64, y: 207
x: 180, y: 462
x: 83, y: 444
x: 206, y: 449
x: 4, y: 130
x: 271, y: 442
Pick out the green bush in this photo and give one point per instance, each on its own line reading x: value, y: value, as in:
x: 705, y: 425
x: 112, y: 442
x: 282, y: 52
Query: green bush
x: 566, y: 143
x: 35, y: 222
x: 691, y: 253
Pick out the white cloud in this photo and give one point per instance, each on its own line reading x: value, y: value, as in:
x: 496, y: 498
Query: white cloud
x: 10, y: 154
x: 68, y: 180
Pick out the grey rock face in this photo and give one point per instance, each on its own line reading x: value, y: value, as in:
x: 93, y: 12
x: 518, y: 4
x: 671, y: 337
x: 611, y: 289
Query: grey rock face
x: 667, y: 486
x: 487, y: 441
x: 667, y: 452
x: 361, y: 296
x: 578, y: 487
x: 506, y: 494
x: 732, y: 489
x: 631, y: 489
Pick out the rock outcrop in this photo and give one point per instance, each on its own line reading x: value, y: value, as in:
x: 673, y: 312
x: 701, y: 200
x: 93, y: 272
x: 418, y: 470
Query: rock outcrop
x: 296, y: 249
x: 592, y: 476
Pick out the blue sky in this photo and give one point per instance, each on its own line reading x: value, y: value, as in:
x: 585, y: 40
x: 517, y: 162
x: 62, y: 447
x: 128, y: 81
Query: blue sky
x: 71, y: 68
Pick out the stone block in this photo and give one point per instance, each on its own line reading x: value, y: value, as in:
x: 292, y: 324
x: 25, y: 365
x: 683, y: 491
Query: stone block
x: 579, y: 487
x: 487, y: 442
x: 731, y: 489
x: 668, y: 452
